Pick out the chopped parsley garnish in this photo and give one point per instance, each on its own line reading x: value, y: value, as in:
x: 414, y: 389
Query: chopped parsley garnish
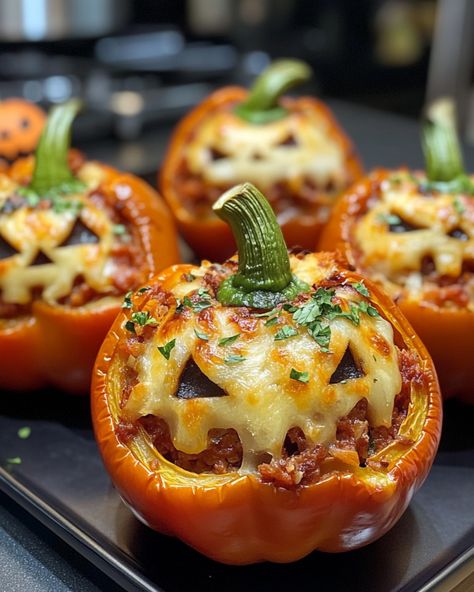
x: 16, y: 460
x: 201, y: 335
x: 271, y: 322
x: 165, y: 350
x: 24, y: 432
x: 316, y: 313
x: 269, y: 313
x: 144, y: 289
x: 458, y: 205
x: 299, y: 376
x: 141, y: 318
x: 368, y: 309
x: 361, y: 288
x: 228, y: 340
x: 390, y: 219
x: 285, y: 333
x: 234, y: 359
x: 198, y: 304
x: 119, y: 229
x: 127, y: 300
x: 189, y: 277
x: 59, y: 203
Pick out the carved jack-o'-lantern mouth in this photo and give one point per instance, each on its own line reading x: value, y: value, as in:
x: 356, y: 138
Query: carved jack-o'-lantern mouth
x: 47, y: 247
x: 21, y: 124
x: 411, y: 239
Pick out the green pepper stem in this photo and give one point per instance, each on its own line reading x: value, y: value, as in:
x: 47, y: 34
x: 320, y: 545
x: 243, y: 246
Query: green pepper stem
x: 440, y: 142
x: 51, y: 164
x: 264, y: 277
x: 261, y: 105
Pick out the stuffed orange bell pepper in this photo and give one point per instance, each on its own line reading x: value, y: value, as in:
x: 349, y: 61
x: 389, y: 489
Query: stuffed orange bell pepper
x: 74, y: 238
x: 413, y: 233
x: 292, y: 149
x: 266, y: 407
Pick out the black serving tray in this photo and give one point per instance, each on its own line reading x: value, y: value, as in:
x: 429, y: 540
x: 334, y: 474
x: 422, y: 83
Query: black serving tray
x: 62, y: 482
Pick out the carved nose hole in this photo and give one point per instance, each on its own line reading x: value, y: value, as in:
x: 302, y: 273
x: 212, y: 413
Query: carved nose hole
x: 290, y: 140
x: 80, y: 235
x: 194, y: 383
x: 40, y: 259
x: 347, y: 369
x: 6, y: 250
x: 403, y: 226
x: 459, y: 234
x: 217, y: 154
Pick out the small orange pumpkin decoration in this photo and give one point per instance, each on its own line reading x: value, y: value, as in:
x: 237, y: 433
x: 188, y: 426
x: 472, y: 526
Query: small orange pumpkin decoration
x: 21, y: 123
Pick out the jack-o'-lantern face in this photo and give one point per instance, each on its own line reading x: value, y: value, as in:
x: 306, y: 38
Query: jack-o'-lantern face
x: 411, y: 238
x: 21, y: 124
x: 209, y: 367
x: 45, y: 246
x: 226, y: 150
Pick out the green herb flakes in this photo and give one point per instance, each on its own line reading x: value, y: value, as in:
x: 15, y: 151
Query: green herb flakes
x: 201, y: 335
x: 234, y: 359
x: 299, y: 376
x: 361, y: 288
x: 119, y: 229
x: 189, y: 277
x: 16, y: 460
x: 390, y: 219
x: 127, y: 301
x: 285, y: 333
x: 228, y: 340
x: 458, y: 205
x: 24, y: 432
x: 166, y: 349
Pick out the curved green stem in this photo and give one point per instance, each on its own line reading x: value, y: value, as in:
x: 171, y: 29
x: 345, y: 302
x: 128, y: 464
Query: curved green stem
x: 441, y: 143
x: 264, y: 277
x: 262, y: 105
x: 51, y: 167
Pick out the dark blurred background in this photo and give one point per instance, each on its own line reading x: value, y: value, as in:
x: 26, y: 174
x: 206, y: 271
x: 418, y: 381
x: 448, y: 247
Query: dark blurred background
x: 141, y: 64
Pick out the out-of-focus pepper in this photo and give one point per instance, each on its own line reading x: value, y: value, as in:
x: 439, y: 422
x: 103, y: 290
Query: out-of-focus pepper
x: 292, y: 149
x: 264, y: 408
x: 74, y: 238
x: 413, y: 233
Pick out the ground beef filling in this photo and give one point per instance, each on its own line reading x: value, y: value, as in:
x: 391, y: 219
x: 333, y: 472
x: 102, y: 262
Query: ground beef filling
x: 126, y: 256
x: 301, y: 462
x: 198, y: 195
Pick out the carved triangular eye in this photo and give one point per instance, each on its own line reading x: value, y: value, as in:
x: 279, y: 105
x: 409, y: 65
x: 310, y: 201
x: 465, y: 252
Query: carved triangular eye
x: 80, y: 235
x: 6, y: 250
x: 290, y: 140
x: 194, y: 383
x: 347, y: 369
x: 217, y: 154
x: 41, y: 259
x: 403, y: 226
x: 459, y: 234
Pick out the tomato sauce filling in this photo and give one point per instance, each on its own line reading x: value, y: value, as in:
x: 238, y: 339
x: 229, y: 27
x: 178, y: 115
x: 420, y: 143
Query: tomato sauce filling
x: 126, y: 256
x: 443, y: 291
x: 301, y: 462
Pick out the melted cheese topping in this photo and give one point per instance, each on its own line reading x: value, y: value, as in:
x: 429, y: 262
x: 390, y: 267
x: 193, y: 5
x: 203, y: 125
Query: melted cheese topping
x: 32, y: 231
x: 396, y: 258
x: 259, y: 154
x: 262, y: 402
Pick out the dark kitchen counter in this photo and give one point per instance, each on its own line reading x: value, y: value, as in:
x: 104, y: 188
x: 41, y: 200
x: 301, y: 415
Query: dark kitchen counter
x: 33, y: 558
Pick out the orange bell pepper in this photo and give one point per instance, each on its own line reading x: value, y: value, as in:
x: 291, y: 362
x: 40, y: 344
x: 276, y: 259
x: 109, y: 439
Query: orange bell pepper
x: 276, y: 143
x: 53, y: 341
x: 268, y: 333
x: 413, y: 233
